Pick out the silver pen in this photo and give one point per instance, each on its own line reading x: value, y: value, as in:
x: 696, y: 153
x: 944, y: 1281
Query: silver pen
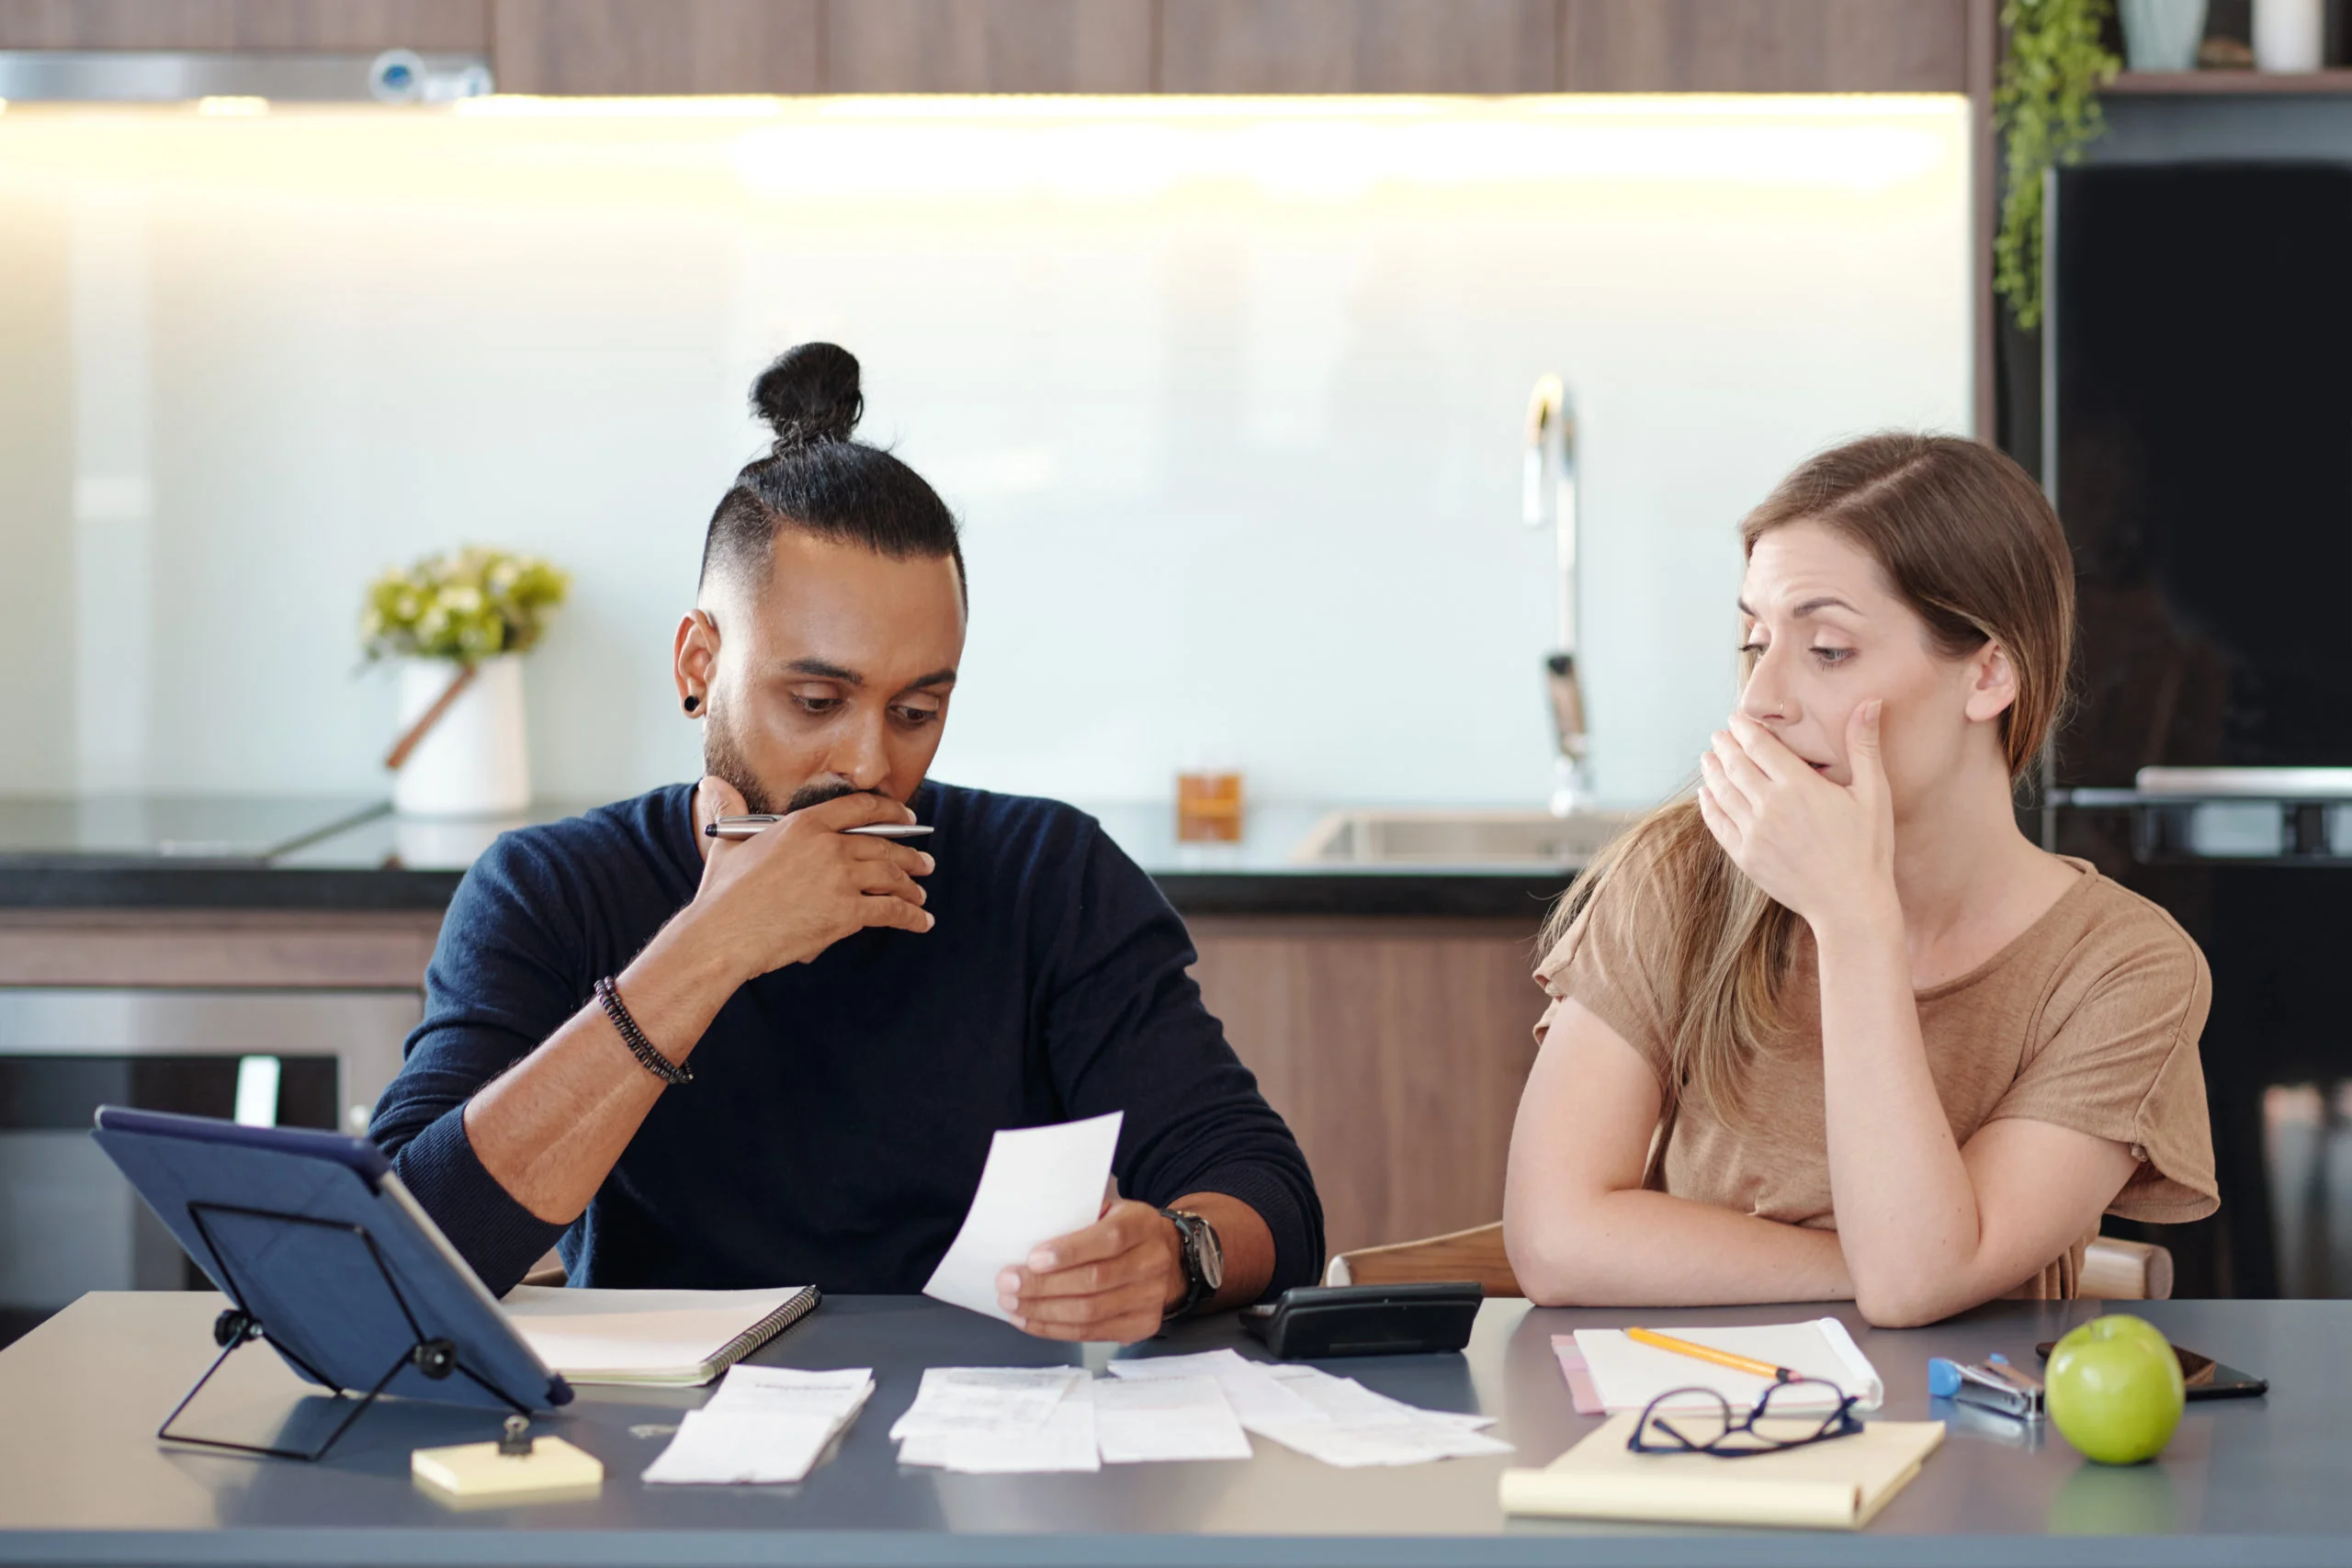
x: 747, y: 827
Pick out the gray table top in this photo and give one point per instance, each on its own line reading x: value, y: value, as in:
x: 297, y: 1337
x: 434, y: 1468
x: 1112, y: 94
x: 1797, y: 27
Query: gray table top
x: 83, y: 1480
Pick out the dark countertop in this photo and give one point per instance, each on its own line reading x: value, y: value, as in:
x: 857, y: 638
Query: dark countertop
x: 83, y: 1480
x: 356, y: 855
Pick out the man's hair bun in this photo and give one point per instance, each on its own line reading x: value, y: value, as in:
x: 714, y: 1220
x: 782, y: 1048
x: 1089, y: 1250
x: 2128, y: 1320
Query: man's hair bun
x: 809, y: 395
x: 817, y: 480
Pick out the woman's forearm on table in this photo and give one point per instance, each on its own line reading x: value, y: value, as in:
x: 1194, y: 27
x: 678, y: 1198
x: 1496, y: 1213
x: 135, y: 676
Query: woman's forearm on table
x: 1636, y: 1247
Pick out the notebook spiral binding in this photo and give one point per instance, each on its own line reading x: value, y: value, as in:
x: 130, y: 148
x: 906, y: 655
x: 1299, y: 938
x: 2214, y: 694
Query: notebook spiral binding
x: 767, y: 1328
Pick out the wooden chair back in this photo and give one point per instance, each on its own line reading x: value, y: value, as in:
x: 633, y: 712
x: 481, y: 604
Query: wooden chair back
x: 2113, y: 1269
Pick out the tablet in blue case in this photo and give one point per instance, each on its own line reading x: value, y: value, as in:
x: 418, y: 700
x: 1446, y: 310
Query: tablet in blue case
x: 328, y: 1257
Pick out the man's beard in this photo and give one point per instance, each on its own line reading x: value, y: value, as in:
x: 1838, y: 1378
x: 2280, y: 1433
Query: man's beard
x: 723, y: 759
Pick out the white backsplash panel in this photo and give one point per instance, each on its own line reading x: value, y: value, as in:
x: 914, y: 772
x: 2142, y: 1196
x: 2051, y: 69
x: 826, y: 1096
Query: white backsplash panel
x: 1227, y: 392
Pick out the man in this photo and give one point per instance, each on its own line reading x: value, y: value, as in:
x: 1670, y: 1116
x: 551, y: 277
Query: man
x: 708, y: 1063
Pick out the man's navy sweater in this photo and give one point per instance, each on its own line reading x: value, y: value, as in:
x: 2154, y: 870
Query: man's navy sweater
x: 841, y: 1110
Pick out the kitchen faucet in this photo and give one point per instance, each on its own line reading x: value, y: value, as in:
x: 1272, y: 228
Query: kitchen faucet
x: 1548, y: 494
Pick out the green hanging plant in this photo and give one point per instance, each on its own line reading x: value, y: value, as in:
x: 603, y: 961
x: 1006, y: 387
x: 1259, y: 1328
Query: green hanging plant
x: 2045, y: 104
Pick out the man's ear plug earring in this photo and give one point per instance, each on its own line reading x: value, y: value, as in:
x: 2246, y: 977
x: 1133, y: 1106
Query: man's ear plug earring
x: 693, y: 702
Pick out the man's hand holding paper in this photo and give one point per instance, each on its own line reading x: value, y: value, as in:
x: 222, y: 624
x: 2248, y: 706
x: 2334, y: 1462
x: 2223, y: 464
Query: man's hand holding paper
x: 1028, y: 1254
x: 1115, y: 1280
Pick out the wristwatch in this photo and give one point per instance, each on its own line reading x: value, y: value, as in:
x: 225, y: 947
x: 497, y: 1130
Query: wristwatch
x: 1203, y: 1259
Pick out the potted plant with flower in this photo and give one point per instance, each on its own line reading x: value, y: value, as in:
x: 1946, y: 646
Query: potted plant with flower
x: 457, y: 625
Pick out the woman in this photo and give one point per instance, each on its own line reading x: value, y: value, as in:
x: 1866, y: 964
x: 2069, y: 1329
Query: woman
x: 1832, y: 1027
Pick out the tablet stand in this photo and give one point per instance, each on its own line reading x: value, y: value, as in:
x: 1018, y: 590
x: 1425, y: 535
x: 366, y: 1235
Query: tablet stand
x: 437, y: 1358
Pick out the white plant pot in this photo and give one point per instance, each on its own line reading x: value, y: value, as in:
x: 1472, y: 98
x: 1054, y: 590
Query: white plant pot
x: 473, y: 762
x: 2288, y: 34
x: 2163, y: 35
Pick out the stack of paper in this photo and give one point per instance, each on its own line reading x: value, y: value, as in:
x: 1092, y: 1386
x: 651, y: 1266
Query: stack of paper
x: 996, y: 1420
x: 770, y: 1424
x: 1336, y: 1420
x: 765, y: 1424
x: 1000, y: 1420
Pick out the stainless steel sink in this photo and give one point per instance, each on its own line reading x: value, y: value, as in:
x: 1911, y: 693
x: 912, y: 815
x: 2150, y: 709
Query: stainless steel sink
x: 1459, y: 838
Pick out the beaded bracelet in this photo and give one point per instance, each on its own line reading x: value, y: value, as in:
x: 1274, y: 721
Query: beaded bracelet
x: 633, y: 1037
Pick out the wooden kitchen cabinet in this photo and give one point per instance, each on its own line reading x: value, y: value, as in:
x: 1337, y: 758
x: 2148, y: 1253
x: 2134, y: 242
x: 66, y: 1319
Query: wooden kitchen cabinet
x: 357, y: 26
x: 173, y: 948
x: 623, y: 47
x: 598, y: 48
x: 1765, y: 46
x: 1396, y: 1050
x: 1359, y: 46
x: 988, y: 45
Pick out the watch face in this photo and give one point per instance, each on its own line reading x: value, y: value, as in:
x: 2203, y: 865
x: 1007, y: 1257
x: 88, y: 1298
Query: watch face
x: 1210, y: 1252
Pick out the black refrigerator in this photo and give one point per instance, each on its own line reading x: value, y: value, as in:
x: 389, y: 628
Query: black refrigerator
x: 2198, y: 443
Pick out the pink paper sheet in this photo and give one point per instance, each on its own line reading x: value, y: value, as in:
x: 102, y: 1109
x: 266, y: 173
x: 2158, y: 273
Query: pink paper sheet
x: 1580, y: 1376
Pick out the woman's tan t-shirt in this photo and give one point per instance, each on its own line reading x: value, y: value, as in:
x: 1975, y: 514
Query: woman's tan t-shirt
x: 2089, y: 1020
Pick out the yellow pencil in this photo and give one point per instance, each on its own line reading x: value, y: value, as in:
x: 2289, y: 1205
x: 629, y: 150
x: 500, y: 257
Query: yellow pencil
x: 1737, y: 1363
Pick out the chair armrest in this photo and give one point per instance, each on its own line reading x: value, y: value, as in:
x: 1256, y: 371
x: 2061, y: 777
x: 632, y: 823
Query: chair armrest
x: 1476, y: 1254
x: 2119, y: 1271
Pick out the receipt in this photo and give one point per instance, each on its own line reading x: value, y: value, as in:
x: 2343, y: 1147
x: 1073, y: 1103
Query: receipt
x: 720, y: 1448
x: 786, y: 1390
x: 985, y: 1399
x: 1039, y: 1182
x: 1139, y: 1420
x: 1064, y: 1440
x: 1252, y: 1388
x: 765, y: 1424
x: 1351, y: 1425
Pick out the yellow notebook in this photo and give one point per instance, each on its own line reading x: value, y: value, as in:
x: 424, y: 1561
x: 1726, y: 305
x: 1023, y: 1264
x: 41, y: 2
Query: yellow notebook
x: 1840, y: 1484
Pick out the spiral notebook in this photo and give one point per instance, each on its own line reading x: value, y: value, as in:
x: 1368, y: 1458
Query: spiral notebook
x: 662, y: 1338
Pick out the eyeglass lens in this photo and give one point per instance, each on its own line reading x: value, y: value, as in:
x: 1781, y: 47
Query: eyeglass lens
x: 1789, y: 1415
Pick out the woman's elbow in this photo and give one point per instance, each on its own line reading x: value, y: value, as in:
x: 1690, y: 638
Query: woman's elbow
x: 1883, y: 1309
x: 1544, y: 1255
x: 1911, y: 1303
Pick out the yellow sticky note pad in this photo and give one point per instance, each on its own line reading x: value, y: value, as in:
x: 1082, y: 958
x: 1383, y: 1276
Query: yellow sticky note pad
x: 470, y: 1473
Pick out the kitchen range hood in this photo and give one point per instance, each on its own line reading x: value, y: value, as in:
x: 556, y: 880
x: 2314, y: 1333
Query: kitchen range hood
x: 123, y: 76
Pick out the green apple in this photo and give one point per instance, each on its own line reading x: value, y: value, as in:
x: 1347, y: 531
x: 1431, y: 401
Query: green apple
x: 2114, y: 1389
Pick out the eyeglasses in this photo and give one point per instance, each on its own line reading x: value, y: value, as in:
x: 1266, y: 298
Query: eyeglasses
x: 1705, y: 1424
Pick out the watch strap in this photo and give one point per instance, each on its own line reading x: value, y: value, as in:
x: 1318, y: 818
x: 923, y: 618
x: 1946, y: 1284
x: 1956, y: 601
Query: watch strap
x: 1189, y: 1227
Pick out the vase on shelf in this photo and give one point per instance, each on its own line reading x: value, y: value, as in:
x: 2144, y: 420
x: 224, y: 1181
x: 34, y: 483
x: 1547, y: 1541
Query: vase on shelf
x: 2288, y: 34
x: 471, y: 761
x: 2163, y: 35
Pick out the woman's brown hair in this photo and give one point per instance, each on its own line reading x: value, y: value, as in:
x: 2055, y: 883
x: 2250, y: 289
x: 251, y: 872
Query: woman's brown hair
x: 1967, y: 540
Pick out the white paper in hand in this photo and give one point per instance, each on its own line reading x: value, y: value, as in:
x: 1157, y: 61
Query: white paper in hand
x: 1039, y: 1182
